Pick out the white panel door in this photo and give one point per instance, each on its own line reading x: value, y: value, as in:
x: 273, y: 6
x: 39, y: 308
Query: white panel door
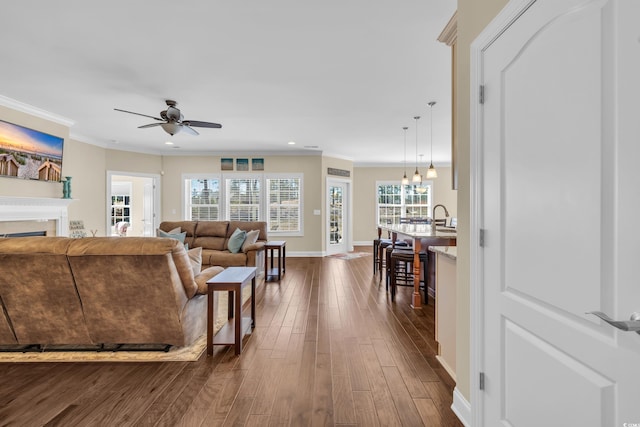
x: 559, y: 187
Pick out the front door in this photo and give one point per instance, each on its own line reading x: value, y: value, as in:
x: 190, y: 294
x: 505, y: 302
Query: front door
x: 557, y: 205
x: 337, y: 227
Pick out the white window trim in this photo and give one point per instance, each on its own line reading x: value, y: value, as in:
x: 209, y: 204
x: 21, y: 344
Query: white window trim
x: 299, y: 176
x: 241, y: 175
x: 183, y: 189
x: 430, y: 202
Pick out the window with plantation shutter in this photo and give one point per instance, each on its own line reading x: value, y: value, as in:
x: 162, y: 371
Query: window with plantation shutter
x: 203, y: 199
x: 284, y: 204
x: 243, y: 199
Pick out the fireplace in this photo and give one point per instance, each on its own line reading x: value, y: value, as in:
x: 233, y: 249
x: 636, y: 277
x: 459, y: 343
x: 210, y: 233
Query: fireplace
x: 34, y: 215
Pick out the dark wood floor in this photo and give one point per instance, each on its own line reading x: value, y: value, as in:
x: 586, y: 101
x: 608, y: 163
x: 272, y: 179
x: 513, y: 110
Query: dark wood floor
x: 329, y: 349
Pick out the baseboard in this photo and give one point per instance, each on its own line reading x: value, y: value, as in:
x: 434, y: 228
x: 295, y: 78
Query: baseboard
x: 446, y: 367
x: 364, y: 243
x: 461, y: 408
x: 305, y: 254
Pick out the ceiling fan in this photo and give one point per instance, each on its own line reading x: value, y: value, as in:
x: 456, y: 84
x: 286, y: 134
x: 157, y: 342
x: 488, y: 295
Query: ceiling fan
x: 173, y: 120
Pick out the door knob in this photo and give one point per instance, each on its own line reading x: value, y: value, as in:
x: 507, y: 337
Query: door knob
x: 625, y: 325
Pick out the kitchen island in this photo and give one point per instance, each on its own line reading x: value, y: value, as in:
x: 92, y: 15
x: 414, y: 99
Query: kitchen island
x: 422, y: 236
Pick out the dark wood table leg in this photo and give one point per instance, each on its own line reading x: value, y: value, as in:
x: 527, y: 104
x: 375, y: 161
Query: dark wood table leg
x: 238, y: 319
x: 210, y: 320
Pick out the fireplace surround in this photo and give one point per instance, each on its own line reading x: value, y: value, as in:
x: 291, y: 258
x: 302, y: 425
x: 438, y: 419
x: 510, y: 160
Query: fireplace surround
x: 29, y: 214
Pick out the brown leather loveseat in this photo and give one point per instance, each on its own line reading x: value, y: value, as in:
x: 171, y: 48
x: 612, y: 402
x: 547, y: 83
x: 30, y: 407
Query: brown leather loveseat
x: 97, y: 291
x: 213, y: 238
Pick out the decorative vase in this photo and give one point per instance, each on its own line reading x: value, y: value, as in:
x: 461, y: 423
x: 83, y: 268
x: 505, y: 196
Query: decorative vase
x: 66, y: 188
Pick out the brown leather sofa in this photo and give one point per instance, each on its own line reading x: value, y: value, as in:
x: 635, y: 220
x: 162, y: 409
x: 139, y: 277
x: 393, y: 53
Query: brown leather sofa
x: 213, y: 238
x: 100, y: 291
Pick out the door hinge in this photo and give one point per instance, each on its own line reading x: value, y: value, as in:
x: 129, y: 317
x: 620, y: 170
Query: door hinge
x: 481, y: 94
x: 481, y: 238
x: 481, y: 381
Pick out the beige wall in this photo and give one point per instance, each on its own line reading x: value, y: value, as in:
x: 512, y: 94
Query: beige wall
x: 473, y: 17
x: 310, y: 166
x: 365, y: 194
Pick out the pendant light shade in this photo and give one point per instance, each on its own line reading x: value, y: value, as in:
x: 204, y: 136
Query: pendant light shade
x: 416, y: 176
x: 405, y: 180
x: 431, y: 172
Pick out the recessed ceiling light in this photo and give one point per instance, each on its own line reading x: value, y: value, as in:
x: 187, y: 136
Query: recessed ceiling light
x: 291, y: 143
x: 312, y: 147
x: 168, y: 143
x: 176, y: 146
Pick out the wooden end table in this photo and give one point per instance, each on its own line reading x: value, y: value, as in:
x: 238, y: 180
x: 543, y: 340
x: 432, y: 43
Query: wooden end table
x: 232, y: 279
x: 280, y: 246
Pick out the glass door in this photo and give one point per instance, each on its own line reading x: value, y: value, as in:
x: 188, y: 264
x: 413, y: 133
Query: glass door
x: 337, y: 226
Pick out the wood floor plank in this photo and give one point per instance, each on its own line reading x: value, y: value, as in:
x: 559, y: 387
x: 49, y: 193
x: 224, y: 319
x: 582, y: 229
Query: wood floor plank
x: 329, y: 348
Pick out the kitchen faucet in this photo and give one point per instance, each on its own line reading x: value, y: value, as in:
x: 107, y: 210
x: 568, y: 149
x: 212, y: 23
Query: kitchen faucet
x: 446, y: 212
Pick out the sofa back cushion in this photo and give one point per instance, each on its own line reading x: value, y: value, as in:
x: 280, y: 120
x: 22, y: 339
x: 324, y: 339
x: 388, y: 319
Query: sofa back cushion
x: 39, y: 294
x: 248, y: 226
x: 211, y: 234
x: 133, y: 289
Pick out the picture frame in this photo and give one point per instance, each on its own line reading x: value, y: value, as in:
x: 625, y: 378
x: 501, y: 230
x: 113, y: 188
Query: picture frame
x: 257, y: 164
x: 226, y: 164
x: 242, y: 165
x: 29, y: 154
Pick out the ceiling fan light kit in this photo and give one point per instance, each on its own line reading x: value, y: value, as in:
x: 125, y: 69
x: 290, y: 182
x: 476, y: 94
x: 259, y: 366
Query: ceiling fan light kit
x: 173, y: 121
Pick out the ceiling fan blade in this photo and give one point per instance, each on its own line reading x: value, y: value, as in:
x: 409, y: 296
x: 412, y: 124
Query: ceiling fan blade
x: 138, y: 114
x: 149, y: 125
x: 188, y: 129
x: 196, y: 123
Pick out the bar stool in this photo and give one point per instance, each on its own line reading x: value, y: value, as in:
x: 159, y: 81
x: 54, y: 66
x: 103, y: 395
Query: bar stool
x: 400, y: 268
x: 380, y: 253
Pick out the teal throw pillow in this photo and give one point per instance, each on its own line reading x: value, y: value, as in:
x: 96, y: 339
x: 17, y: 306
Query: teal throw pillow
x: 178, y: 236
x: 236, y: 240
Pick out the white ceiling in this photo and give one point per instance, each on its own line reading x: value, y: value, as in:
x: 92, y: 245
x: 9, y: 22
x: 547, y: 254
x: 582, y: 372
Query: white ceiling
x: 344, y: 76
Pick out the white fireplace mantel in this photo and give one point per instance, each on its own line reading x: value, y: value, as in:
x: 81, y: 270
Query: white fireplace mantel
x: 36, y: 209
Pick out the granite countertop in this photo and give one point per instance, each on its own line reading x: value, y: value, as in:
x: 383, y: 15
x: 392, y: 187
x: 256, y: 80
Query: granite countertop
x: 448, y: 251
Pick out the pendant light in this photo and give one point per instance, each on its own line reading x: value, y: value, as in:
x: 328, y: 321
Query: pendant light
x: 431, y: 172
x: 420, y: 188
x: 416, y: 176
x: 405, y: 180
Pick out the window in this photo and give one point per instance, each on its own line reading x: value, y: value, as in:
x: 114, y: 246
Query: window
x: 284, y: 202
x: 397, y: 201
x: 120, y: 203
x: 243, y: 195
x: 274, y: 198
x: 203, y: 200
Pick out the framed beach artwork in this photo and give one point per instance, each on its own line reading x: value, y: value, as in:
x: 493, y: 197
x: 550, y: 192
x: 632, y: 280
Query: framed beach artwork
x: 242, y: 165
x: 226, y: 164
x: 29, y: 154
x: 257, y: 164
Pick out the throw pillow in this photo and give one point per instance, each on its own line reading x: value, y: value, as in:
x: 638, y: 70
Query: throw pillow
x: 252, y: 237
x: 174, y: 231
x: 178, y: 236
x: 236, y: 240
x: 195, y: 256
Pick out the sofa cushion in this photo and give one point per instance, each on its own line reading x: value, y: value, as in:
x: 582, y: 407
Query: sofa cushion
x: 224, y: 258
x: 195, y: 256
x: 248, y: 226
x: 252, y: 237
x: 236, y: 240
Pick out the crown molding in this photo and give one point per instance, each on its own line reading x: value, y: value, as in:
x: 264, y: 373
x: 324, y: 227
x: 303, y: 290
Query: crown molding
x: 35, y: 111
x: 449, y: 34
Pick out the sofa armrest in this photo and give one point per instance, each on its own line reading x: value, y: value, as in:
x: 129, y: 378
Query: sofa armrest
x: 257, y: 246
x: 203, y: 276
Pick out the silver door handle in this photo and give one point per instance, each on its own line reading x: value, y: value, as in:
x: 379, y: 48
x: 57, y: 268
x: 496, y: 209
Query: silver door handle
x: 632, y: 325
